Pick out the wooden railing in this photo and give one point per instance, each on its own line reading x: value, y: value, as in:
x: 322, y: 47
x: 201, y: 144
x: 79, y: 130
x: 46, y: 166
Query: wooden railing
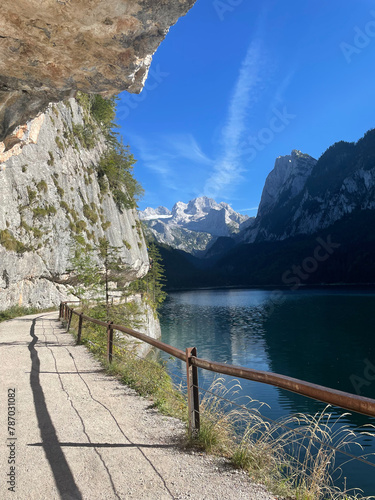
x: 345, y: 400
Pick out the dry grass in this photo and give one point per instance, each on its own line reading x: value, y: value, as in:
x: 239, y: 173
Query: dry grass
x: 146, y: 376
x: 293, y: 457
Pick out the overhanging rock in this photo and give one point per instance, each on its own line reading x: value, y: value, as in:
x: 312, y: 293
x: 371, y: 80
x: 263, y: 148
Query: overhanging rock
x: 49, y: 49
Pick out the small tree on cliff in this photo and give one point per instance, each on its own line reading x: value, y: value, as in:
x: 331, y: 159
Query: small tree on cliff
x: 152, y: 284
x: 92, y: 279
x: 87, y: 276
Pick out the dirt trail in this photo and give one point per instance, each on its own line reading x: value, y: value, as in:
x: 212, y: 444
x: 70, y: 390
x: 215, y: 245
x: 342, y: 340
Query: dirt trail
x: 79, y: 434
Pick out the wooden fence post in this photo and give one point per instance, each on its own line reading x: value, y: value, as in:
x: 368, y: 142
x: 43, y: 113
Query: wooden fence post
x: 109, y: 342
x: 60, y: 310
x: 79, y: 328
x: 70, y: 319
x: 193, y: 392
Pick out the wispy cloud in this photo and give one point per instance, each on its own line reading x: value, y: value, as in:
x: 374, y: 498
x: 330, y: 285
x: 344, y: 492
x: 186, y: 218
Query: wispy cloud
x: 279, y: 97
x: 228, y: 169
x: 168, y: 155
x: 248, y: 209
x: 185, y: 146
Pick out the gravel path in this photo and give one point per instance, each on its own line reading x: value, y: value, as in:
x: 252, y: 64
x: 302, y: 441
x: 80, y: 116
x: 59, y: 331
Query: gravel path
x: 79, y: 434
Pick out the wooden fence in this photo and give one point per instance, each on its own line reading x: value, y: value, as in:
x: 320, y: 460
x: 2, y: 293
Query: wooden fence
x: 347, y: 401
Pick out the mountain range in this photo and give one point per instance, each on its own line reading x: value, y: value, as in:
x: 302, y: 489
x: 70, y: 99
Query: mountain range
x: 315, y: 225
x: 195, y: 226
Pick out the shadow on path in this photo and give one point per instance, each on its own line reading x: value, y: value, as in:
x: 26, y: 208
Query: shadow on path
x: 61, y: 471
x: 110, y: 445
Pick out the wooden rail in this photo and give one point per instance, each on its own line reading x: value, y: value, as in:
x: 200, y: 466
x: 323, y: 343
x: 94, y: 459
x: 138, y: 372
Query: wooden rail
x: 345, y: 400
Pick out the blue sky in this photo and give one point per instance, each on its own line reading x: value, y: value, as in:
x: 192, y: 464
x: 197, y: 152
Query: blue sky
x: 237, y: 83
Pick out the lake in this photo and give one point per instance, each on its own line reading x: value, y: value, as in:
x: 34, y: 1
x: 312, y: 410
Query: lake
x: 324, y: 336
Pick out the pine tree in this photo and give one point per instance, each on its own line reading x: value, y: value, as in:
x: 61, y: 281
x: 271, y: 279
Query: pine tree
x: 112, y: 266
x: 87, y: 275
x: 152, y: 284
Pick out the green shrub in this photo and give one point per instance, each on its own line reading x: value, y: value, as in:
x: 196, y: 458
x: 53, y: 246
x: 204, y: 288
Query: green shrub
x: 80, y: 226
x: 84, y: 100
x: 51, y: 160
x: 59, y: 143
x: 44, y: 211
x: 31, y: 194
x: 79, y: 239
x: 37, y: 232
x: 24, y: 225
x: 85, y: 134
x: 42, y: 186
x: 8, y: 241
x: 90, y: 214
x: 103, y: 110
x: 65, y: 206
x: 117, y: 165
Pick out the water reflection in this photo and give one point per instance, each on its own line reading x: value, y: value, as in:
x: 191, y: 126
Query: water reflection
x: 322, y: 337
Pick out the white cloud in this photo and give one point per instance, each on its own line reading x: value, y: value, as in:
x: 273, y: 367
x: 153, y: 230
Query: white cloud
x: 185, y: 146
x: 279, y: 98
x: 228, y: 169
x: 167, y: 155
x: 248, y: 209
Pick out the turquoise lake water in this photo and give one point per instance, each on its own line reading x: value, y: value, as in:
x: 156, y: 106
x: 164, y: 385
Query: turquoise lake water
x: 322, y: 336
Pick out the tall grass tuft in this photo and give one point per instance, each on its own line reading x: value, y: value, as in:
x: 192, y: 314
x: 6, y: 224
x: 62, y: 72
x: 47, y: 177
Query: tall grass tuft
x: 293, y: 457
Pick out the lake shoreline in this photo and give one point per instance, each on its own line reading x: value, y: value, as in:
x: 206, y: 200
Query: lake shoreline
x: 324, y: 286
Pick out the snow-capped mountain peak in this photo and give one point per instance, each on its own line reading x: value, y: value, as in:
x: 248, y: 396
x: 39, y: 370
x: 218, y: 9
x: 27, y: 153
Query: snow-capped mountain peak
x: 201, y: 219
x: 155, y: 213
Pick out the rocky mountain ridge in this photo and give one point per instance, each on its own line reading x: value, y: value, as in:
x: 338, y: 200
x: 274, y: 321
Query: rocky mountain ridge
x: 315, y: 194
x: 193, y: 226
x: 307, y: 206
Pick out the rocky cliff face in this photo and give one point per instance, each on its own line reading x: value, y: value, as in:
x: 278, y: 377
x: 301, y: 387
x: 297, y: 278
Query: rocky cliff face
x: 314, y: 226
x: 286, y: 180
x: 193, y: 226
x: 303, y: 196
x: 50, y: 201
x: 51, y: 49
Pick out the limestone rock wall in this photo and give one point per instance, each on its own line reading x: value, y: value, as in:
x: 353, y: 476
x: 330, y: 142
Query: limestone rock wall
x: 49, y: 49
x: 49, y: 198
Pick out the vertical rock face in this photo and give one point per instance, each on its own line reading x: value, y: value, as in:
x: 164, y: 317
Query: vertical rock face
x: 303, y: 196
x: 50, y: 200
x: 284, y: 183
x: 287, y: 179
x: 49, y: 49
